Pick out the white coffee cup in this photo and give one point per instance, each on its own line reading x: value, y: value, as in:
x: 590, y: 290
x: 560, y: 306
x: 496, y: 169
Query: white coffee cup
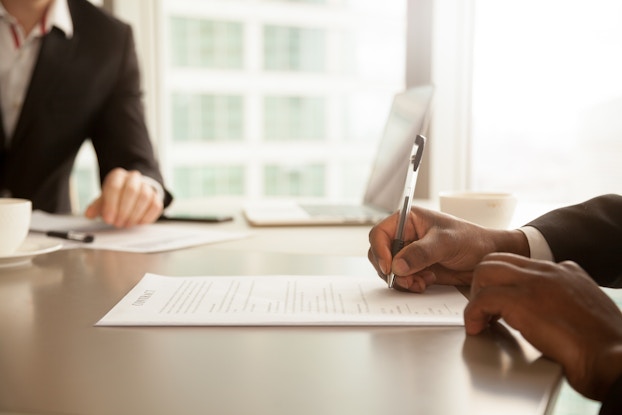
x: 14, y: 224
x: 489, y: 209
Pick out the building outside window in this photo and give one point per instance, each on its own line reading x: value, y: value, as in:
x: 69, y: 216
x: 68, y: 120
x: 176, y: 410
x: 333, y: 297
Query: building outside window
x: 260, y: 98
x: 260, y: 93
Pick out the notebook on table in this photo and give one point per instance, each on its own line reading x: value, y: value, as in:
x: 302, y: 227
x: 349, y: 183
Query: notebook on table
x: 408, y: 117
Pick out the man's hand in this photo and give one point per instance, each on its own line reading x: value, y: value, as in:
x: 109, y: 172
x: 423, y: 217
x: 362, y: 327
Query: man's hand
x: 559, y: 309
x: 439, y: 248
x: 126, y: 200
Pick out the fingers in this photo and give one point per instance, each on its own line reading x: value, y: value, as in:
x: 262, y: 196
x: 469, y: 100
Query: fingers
x: 379, y: 254
x: 153, y: 211
x: 414, y: 257
x: 380, y: 238
x: 416, y: 283
x: 121, y: 194
x: 145, y: 210
x: 532, y: 296
x: 375, y: 261
x: 506, y: 269
x: 94, y: 209
x: 499, y: 287
x: 126, y: 200
x: 418, y: 255
x: 486, y: 307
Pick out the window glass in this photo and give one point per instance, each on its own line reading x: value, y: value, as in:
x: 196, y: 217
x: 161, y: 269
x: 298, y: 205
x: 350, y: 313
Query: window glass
x: 84, y: 185
x: 201, y: 181
x: 206, y: 43
x: 305, y: 181
x: 547, y: 98
x: 206, y: 117
x: 262, y: 85
x: 294, y: 118
x: 294, y: 49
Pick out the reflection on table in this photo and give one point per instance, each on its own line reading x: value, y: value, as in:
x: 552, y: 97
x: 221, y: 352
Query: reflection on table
x: 54, y: 361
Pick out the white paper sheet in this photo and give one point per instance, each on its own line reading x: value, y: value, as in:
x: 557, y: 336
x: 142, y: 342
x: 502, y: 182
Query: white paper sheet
x: 155, y: 237
x: 281, y: 300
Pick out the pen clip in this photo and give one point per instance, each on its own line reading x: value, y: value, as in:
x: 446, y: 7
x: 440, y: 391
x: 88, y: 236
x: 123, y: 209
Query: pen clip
x: 416, y: 158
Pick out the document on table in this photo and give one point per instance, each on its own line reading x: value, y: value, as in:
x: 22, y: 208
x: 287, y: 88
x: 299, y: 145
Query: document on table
x: 155, y: 237
x: 282, y: 300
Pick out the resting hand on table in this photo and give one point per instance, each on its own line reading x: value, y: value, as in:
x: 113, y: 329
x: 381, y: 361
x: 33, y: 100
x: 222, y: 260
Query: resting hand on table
x: 438, y: 248
x: 126, y: 200
x: 559, y: 309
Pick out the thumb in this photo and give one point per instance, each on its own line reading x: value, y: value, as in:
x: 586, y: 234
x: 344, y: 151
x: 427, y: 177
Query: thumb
x: 94, y: 209
x: 417, y: 256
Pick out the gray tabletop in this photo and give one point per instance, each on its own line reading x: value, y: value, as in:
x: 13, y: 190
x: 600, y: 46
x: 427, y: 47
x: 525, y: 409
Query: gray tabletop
x: 54, y: 361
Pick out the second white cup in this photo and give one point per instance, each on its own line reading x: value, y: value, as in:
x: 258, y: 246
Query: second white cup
x: 489, y: 209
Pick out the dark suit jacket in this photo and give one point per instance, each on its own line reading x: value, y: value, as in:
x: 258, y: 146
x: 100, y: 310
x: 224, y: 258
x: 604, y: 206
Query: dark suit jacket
x: 589, y: 234
x: 84, y: 87
x: 612, y: 404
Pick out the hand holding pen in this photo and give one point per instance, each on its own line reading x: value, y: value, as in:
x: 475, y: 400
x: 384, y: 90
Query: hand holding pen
x: 409, y: 191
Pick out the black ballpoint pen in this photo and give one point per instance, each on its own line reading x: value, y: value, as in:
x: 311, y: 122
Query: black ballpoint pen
x: 72, y: 236
x: 409, y: 191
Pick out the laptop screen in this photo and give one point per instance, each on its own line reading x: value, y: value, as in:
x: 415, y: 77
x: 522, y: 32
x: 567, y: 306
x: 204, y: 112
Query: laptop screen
x: 407, y: 118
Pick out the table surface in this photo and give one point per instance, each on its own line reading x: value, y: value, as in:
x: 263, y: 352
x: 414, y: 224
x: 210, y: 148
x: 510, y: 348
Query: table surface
x: 54, y: 361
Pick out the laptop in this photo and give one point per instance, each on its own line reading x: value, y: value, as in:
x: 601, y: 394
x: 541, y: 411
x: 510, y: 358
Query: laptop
x: 408, y: 117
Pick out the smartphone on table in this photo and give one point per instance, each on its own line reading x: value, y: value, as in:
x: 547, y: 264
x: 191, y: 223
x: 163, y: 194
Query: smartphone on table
x: 192, y: 217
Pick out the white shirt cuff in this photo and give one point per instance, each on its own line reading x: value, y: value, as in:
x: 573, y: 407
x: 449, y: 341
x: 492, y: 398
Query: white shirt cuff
x: 156, y: 186
x: 538, y: 246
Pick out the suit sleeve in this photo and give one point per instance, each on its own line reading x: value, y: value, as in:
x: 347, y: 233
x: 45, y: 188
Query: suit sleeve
x: 589, y: 234
x: 120, y: 136
x: 612, y: 404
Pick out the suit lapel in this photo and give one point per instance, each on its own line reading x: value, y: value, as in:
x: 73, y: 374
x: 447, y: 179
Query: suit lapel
x: 2, y: 134
x: 3, y: 161
x: 55, y: 54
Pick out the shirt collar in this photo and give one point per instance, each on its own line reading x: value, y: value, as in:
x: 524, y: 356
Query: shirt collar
x: 58, y: 15
x: 3, y: 12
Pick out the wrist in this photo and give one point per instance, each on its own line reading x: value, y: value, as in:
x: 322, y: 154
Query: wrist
x: 511, y: 241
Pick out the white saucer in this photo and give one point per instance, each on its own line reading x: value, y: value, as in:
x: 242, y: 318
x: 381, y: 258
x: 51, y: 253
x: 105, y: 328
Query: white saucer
x: 31, y: 247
